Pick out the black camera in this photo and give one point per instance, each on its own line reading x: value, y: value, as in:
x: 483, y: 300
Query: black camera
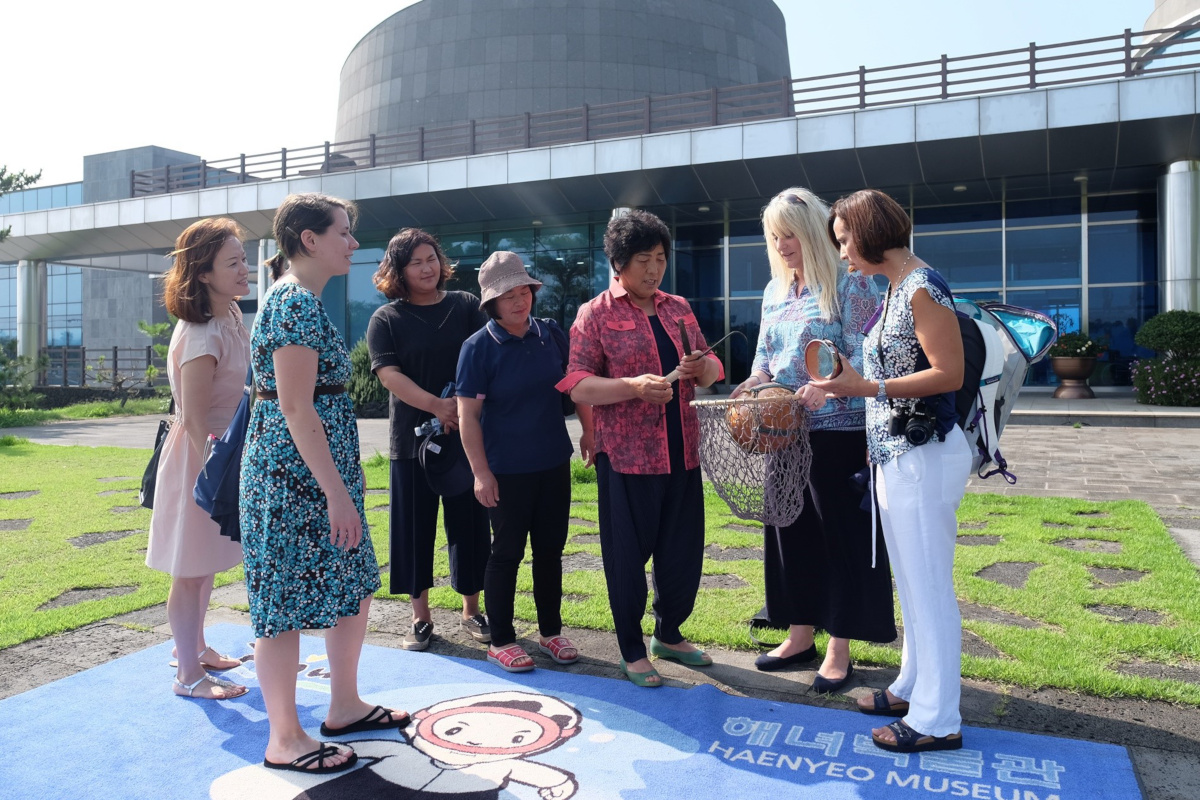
x: 916, y: 424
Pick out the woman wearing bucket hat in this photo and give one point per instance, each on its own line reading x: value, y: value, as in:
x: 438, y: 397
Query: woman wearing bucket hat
x: 414, y: 342
x: 646, y: 441
x: 506, y: 399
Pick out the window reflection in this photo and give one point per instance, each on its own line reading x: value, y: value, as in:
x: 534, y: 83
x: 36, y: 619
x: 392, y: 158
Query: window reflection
x: 1115, y: 314
x: 744, y: 316
x: 1122, y: 253
x: 965, y: 259
x: 749, y: 270
x: 1044, y: 257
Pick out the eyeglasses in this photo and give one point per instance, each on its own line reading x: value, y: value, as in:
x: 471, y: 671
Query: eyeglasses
x: 793, y: 199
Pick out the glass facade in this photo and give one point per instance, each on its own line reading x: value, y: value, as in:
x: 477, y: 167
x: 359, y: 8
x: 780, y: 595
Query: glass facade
x: 1089, y: 262
x: 8, y: 302
x: 64, y: 306
x: 39, y: 198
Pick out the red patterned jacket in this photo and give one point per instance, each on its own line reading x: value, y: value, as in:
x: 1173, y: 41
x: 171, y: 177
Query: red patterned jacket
x: 612, y: 338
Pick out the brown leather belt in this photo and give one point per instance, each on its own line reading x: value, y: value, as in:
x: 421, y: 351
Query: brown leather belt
x: 335, y: 388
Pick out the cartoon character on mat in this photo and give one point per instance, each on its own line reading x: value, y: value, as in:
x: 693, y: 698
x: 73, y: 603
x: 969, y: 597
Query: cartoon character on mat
x: 468, y: 748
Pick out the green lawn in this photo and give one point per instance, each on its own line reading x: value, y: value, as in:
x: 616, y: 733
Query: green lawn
x: 21, y: 417
x: 1069, y: 644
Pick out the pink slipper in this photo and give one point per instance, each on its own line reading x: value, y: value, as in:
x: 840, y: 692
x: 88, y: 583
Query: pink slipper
x: 555, y: 648
x: 507, y: 658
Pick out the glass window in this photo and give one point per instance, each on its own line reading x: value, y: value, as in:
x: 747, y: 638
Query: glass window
x: 746, y: 231
x: 75, y: 194
x: 1122, y: 253
x: 43, y: 199
x: 698, y: 273
x: 520, y: 241
x: 566, y: 284
x: 1115, y: 314
x: 466, y: 276
x: 1044, y: 257
x: 688, y: 237
x: 956, y: 218
x: 457, y: 245
x: 571, y: 237
x: 362, y: 298
x: 1104, y: 208
x: 1057, y: 211
x: 964, y: 259
x: 749, y: 271
x: 744, y: 316
x: 58, y: 196
x: 334, y: 300
x: 1062, y: 306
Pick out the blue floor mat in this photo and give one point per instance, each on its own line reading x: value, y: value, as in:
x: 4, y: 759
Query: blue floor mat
x: 117, y: 731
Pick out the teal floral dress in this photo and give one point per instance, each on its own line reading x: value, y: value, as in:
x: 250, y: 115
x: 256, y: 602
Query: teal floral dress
x: 295, y: 577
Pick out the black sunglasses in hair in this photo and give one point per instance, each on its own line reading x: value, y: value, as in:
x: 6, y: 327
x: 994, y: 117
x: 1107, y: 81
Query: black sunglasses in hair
x: 793, y: 199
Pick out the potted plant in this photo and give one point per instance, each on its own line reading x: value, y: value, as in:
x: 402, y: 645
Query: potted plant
x: 1072, y: 357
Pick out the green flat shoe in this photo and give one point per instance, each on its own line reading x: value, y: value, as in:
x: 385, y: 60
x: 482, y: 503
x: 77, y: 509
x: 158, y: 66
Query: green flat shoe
x: 641, y: 678
x: 691, y: 658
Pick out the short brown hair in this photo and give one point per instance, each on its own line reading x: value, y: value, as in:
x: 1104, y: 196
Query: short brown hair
x: 877, y: 222
x: 299, y: 213
x: 184, y: 294
x: 389, y: 278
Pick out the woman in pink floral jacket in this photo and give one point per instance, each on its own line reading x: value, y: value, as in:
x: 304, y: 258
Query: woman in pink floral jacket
x: 646, y: 441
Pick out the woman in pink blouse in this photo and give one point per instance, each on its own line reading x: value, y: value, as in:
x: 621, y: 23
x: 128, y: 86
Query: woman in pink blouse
x: 646, y: 441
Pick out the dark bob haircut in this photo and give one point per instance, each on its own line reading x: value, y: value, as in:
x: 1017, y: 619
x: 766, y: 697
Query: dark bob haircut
x: 389, y: 278
x: 184, y: 294
x: 877, y: 223
x: 489, y: 307
x: 299, y: 213
x: 632, y: 233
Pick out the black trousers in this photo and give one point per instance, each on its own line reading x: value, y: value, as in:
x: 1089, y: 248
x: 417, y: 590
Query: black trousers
x: 412, y: 530
x: 818, y: 569
x: 644, y: 517
x: 537, y: 506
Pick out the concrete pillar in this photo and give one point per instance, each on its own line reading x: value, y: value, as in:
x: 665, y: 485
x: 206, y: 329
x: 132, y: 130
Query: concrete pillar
x: 1179, y: 237
x: 31, y: 307
x: 264, y: 272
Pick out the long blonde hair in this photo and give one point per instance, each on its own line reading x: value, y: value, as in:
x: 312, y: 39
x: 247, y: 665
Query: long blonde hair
x: 801, y: 213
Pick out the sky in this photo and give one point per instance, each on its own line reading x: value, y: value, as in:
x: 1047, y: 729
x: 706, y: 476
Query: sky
x: 225, y: 77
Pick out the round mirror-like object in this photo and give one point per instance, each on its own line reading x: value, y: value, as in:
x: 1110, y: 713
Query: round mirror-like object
x: 822, y: 360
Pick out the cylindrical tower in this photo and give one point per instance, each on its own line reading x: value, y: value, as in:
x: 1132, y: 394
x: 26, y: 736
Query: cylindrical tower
x: 441, y: 62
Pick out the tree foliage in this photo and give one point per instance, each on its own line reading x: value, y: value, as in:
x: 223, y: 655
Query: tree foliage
x: 13, y: 182
x: 1173, y: 334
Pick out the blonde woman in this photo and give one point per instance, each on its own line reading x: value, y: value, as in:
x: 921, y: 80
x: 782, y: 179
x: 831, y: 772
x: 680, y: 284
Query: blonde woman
x: 824, y: 570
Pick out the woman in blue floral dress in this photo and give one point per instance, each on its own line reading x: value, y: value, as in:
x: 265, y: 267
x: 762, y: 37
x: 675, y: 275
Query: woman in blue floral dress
x: 308, y: 555
x: 829, y: 568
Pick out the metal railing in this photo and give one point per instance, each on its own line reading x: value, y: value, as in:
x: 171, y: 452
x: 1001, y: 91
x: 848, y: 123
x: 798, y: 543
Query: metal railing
x: 118, y: 367
x: 1124, y: 55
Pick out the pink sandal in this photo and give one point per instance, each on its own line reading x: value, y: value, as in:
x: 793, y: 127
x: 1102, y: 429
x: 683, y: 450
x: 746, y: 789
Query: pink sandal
x: 506, y: 658
x: 555, y: 647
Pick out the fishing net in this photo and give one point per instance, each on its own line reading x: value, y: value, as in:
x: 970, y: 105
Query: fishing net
x: 755, y: 452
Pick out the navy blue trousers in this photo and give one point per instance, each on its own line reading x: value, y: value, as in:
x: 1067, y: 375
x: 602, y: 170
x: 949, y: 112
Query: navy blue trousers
x: 644, y: 517
x: 412, y: 531
x: 534, y: 506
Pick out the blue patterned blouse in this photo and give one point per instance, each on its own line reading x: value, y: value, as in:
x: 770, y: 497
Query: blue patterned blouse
x: 899, y: 340
x: 790, y: 322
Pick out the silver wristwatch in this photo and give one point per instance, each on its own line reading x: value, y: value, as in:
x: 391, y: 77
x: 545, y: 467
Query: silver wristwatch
x: 881, y: 395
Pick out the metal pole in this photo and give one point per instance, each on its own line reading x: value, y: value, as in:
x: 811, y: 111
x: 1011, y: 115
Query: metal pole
x: 862, y: 87
x: 1033, y: 65
x: 945, y: 78
x: 114, y: 367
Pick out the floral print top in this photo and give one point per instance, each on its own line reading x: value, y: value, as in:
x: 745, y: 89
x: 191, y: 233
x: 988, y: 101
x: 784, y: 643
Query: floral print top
x: 612, y: 338
x: 791, y: 321
x: 898, y: 337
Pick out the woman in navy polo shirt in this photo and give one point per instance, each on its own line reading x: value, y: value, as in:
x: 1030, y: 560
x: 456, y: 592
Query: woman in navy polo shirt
x: 507, y: 399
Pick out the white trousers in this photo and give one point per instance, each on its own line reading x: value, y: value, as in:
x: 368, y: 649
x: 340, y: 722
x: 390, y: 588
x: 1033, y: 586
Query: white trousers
x: 918, y: 494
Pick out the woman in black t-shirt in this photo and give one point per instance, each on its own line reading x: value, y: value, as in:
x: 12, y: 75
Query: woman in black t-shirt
x: 414, y: 343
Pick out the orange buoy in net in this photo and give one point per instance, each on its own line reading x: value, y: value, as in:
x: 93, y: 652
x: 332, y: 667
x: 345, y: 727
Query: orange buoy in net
x: 766, y: 422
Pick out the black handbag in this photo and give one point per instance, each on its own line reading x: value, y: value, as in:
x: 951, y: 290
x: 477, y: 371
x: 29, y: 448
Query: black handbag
x: 150, y: 476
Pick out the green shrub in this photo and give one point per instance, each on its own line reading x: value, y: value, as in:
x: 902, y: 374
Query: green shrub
x: 364, y: 388
x: 1172, y: 334
x: 1167, y: 381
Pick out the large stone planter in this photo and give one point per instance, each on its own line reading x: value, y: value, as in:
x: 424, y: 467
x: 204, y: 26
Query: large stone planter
x: 1073, y: 373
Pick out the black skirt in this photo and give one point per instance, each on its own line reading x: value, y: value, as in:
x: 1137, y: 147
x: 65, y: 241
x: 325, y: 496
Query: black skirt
x: 818, y: 569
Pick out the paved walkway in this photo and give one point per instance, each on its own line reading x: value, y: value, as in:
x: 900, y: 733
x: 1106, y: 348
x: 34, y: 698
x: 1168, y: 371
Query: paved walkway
x: 1119, y: 451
